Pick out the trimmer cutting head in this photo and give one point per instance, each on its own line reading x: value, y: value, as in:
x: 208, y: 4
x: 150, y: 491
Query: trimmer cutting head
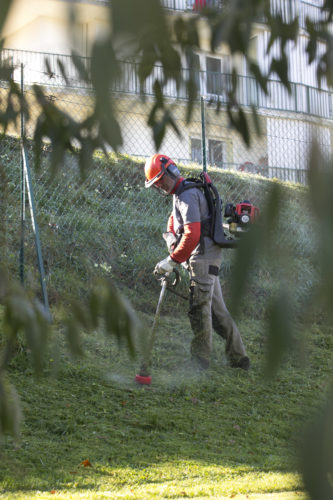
x: 142, y: 379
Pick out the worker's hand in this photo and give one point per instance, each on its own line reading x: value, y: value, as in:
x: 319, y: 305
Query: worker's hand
x: 165, y: 266
x: 170, y: 240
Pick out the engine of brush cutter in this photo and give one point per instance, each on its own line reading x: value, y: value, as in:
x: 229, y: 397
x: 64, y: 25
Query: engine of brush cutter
x: 240, y: 216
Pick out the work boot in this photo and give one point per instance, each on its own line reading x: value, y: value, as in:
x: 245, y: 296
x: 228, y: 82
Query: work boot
x: 200, y: 363
x: 243, y: 363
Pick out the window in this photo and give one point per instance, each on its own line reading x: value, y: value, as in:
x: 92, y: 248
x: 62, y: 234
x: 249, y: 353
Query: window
x: 217, y: 70
x: 196, y: 152
x: 214, y: 152
x: 214, y: 81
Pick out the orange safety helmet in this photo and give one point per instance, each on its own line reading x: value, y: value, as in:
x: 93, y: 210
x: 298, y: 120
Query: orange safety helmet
x: 156, y: 167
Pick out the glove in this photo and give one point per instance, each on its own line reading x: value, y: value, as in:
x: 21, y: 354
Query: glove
x: 165, y: 266
x: 170, y: 240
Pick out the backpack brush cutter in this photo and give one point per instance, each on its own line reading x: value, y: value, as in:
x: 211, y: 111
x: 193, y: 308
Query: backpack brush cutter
x: 144, y: 377
x: 240, y: 216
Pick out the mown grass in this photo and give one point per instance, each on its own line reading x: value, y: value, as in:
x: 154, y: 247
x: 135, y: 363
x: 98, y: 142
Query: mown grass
x: 219, y: 434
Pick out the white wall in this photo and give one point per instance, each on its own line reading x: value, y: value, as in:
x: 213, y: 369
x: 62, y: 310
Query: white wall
x: 43, y: 26
x: 289, y: 142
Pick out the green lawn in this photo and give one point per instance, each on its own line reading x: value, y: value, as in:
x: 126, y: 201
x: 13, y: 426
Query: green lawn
x: 224, y: 433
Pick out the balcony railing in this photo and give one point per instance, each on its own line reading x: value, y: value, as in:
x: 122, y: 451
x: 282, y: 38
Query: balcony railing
x: 191, y: 5
x: 214, y: 86
x: 286, y: 8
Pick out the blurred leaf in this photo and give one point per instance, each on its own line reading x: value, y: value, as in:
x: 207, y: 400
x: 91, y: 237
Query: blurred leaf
x: 56, y: 125
x: 81, y: 138
x: 94, y: 308
x: 81, y: 69
x: 120, y: 319
x: 81, y: 314
x: 4, y: 282
x: 3, y: 227
x: 5, y: 6
x: 260, y: 78
x: 158, y: 94
x: 85, y: 156
x: 29, y: 317
x: 280, y: 332
x: 256, y: 120
x: 239, y: 122
x: 317, y: 454
x: 321, y: 199
x: 146, y: 66
x: 159, y: 119
x: 192, y: 91
x: 62, y: 70
x: 10, y: 409
x: 325, y: 64
x: 281, y: 31
x: 73, y: 336
x: 186, y: 31
x: 15, y: 104
x: 311, y: 47
x: 280, y: 67
x: 104, y: 69
x: 320, y: 181
x: 172, y: 66
x: 128, y: 16
x: 246, y: 253
x: 257, y: 241
x: 151, y: 35
x: 109, y: 129
x: 50, y: 72
x: 5, y: 71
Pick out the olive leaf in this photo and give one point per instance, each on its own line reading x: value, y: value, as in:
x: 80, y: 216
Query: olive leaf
x: 317, y: 453
x: 10, y: 409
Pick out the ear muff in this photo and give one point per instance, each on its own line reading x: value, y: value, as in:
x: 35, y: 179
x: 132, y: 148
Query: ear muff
x: 173, y: 170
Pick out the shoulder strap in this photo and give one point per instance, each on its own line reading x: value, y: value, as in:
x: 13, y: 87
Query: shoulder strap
x: 190, y: 183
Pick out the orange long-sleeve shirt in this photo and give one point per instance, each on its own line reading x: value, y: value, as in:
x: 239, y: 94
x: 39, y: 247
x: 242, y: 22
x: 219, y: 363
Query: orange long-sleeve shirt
x: 189, y: 240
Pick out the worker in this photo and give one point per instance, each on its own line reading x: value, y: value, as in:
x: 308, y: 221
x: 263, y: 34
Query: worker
x: 189, y: 245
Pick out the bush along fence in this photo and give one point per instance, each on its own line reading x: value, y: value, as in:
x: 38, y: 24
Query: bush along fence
x: 108, y: 223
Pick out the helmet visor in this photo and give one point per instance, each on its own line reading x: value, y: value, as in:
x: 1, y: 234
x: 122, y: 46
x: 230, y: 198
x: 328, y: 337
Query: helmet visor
x: 166, y: 183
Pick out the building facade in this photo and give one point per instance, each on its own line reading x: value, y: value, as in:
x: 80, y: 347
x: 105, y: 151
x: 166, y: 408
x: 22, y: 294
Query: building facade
x: 288, y: 121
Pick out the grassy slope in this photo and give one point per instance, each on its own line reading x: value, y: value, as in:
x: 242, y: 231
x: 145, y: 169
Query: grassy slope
x: 221, y: 434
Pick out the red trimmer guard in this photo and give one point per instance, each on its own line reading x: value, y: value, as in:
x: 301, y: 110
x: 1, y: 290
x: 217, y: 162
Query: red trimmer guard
x: 143, y: 380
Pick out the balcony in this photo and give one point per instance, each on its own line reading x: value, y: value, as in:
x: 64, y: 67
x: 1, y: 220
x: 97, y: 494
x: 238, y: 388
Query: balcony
x: 190, y: 5
x: 301, y: 9
x: 214, y: 86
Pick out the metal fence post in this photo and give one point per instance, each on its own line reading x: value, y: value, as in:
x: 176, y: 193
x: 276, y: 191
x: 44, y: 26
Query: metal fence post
x: 35, y: 228
x: 22, y: 191
x: 203, y: 135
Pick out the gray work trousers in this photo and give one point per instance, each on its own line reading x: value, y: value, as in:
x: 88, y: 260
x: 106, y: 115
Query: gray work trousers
x: 208, y: 311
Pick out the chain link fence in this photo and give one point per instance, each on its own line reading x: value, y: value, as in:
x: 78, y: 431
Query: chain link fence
x: 108, y: 223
